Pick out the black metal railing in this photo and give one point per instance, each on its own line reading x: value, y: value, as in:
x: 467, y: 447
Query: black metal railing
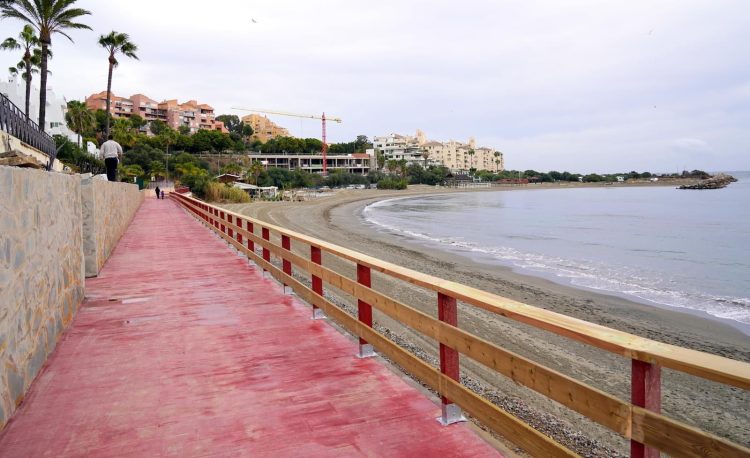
x: 15, y: 122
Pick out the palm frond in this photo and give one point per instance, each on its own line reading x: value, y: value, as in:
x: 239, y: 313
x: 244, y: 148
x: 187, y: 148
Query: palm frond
x: 10, y: 44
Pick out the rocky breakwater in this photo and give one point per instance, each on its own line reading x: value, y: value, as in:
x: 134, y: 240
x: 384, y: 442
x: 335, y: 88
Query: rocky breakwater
x: 715, y: 182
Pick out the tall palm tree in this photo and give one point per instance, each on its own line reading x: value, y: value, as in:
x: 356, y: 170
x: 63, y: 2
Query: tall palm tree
x: 497, y: 160
x: 115, y: 43
x: 256, y: 168
x: 425, y: 155
x: 79, y: 118
x: 27, y: 73
x: 27, y: 40
x: 48, y: 17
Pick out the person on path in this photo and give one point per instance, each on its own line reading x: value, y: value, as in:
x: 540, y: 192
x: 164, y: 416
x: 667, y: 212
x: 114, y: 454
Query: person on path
x: 111, y: 152
x: 157, y: 192
x: 162, y: 194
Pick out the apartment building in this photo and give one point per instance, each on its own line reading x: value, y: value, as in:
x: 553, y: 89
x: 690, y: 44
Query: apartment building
x: 263, y: 128
x: 457, y: 156
x: 191, y: 114
x: 358, y: 163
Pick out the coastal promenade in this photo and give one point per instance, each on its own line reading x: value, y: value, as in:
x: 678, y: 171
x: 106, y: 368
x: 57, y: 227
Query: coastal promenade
x: 183, y: 349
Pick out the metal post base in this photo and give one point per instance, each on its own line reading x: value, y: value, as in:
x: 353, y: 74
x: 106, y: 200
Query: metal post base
x: 366, y: 351
x: 451, y: 413
x: 318, y: 314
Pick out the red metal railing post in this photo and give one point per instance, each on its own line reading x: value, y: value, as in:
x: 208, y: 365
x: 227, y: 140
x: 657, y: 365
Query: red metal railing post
x: 449, y: 365
x: 317, y: 282
x: 223, y: 227
x: 364, y: 311
x: 230, y: 231
x: 646, y: 393
x: 286, y: 265
x: 250, y: 242
x: 216, y: 219
x: 238, y: 223
x: 266, y: 252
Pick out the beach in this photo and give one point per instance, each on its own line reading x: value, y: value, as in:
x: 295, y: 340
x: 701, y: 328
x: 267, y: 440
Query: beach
x: 709, y: 406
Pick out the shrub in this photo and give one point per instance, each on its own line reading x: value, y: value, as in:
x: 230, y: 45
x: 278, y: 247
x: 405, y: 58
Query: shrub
x: 392, y: 183
x: 218, y: 192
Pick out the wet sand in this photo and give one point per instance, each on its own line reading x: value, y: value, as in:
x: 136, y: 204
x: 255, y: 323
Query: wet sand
x: 707, y: 405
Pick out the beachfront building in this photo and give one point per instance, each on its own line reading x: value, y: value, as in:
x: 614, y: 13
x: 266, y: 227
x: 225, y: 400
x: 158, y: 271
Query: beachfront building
x: 457, y: 156
x: 191, y: 114
x: 398, y: 147
x: 358, y: 163
x: 15, y: 90
x: 263, y: 128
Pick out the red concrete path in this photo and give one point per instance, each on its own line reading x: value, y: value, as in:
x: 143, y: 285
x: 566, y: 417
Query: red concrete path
x: 182, y: 349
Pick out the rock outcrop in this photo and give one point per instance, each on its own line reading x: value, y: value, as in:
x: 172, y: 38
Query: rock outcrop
x: 716, y: 182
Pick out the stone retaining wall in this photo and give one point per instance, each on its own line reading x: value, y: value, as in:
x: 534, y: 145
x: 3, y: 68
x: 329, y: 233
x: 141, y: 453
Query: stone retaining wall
x: 108, y: 209
x: 42, y: 265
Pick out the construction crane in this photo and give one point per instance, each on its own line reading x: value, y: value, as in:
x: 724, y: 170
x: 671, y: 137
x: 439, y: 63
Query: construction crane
x: 323, y: 119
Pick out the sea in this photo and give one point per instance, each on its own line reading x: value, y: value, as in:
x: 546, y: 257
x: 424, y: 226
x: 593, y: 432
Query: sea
x: 682, y: 249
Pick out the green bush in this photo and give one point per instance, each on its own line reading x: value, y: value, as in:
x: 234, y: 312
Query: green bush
x: 218, y: 192
x: 78, y: 159
x: 392, y: 183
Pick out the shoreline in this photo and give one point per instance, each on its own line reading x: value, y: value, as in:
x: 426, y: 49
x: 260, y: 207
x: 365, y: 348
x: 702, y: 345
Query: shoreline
x: 715, y: 408
x: 490, y: 262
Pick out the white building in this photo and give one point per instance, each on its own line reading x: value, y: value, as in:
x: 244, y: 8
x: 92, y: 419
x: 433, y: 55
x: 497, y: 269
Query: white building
x: 457, y: 156
x: 397, y: 147
x: 15, y: 90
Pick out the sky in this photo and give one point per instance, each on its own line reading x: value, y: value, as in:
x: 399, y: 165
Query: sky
x: 579, y: 85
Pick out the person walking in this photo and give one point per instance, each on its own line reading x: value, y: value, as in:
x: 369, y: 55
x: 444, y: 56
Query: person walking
x: 157, y: 192
x: 111, y: 152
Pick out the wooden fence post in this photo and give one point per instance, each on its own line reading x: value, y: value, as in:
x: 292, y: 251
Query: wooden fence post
x: 449, y: 364
x: 646, y: 393
x: 317, y: 282
x: 364, y: 311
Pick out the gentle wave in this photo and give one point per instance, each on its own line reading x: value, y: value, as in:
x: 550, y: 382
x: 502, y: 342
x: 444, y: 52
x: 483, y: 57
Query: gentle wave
x: 636, y: 283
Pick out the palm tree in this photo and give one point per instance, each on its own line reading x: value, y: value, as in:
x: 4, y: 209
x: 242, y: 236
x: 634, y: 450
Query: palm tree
x: 122, y: 131
x: 471, y: 156
x: 158, y: 170
x: 497, y: 160
x: 232, y: 168
x: 426, y: 156
x: 79, y: 118
x: 27, y: 40
x: 256, y: 168
x: 380, y: 158
x: 115, y: 43
x: 48, y: 17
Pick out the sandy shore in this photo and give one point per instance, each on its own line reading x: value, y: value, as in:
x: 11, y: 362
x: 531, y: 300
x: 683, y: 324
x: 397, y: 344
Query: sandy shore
x: 707, y: 405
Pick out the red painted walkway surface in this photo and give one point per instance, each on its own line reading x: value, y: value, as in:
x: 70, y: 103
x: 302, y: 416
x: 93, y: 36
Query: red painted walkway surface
x: 182, y: 349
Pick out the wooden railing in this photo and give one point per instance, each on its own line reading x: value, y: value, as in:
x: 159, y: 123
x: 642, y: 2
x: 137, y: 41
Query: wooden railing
x: 639, y: 420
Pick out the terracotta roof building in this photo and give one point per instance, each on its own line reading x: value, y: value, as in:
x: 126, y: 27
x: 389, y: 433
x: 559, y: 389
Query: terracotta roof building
x: 263, y: 128
x: 191, y: 114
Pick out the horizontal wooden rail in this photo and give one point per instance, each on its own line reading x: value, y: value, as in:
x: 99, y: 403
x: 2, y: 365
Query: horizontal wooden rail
x: 642, y: 426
